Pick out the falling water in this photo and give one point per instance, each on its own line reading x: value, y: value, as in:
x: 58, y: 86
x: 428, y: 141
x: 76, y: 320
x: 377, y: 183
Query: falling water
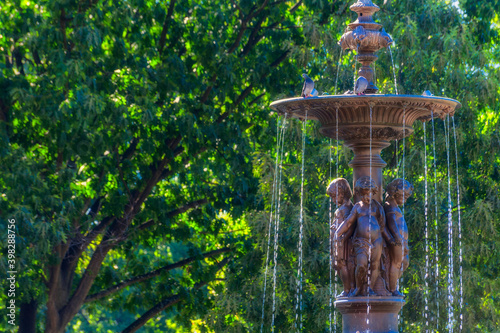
x: 400, y: 279
x: 279, y: 139
x: 404, y: 165
x: 370, y: 224
x: 459, y: 229
x: 277, y: 223
x: 397, y: 159
x: 393, y: 70
x: 338, y: 70
x: 337, y: 226
x: 337, y: 138
x: 426, y: 278
x: 332, y: 231
x: 298, y: 305
x: 450, y: 230
x: 355, y: 67
x: 331, y: 239
x: 436, y: 244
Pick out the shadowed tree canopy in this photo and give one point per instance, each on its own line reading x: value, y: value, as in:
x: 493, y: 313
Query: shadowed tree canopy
x: 128, y: 128
x: 137, y: 152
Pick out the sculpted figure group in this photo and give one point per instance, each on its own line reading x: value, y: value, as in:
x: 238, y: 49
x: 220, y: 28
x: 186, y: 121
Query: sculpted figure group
x: 370, y: 241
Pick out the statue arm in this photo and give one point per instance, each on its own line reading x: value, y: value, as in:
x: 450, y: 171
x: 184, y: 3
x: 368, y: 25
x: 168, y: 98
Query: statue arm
x: 392, y: 226
x: 346, y: 225
x: 335, y: 222
x: 382, y: 222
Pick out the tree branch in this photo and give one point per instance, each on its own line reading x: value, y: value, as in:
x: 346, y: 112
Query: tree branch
x: 183, y: 209
x: 204, y: 97
x: 152, y: 274
x: 256, y: 99
x: 178, y: 211
x: 130, y: 150
x: 166, y: 303
x: 253, y: 39
x: 163, y: 36
x: 115, y: 233
x: 248, y: 89
x: 295, y: 7
x: 185, y: 161
x: 244, y: 25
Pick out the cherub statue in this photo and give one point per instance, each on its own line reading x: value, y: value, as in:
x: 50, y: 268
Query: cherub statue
x: 340, y: 192
x: 368, y: 217
x: 398, y: 191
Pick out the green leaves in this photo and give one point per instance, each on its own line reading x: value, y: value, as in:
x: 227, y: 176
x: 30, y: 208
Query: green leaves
x: 103, y: 119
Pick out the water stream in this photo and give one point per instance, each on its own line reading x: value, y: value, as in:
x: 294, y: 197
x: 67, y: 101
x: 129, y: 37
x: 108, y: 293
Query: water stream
x: 393, y: 70
x: 436, y: 217
x: 426, y: 208
x: 337, y: 152
x: 338, y: 70
x: 400, y: 280
x: 330, y: 303
x: 279, y: 138
x: 370, y: 224
x: 298, y: 305
x: 355, y: 68
x: 461, y: 292
x: 451, y: 320
x: 277, y: 221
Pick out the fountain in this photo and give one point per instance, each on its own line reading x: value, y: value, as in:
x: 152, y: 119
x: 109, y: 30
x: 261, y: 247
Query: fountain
x: 371, y: 233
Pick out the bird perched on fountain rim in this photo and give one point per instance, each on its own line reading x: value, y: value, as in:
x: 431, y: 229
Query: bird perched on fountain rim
x: 360, y: 86
x: 308, y: 87
x: 427, y: 93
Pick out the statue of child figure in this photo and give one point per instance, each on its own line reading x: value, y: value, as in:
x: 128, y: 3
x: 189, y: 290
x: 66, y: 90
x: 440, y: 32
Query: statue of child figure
x: 398, y: 191
x: 340, y: 192
x: 369, y: 218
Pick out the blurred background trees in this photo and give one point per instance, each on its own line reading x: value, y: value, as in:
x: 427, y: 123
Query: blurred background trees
x: 137, y: 152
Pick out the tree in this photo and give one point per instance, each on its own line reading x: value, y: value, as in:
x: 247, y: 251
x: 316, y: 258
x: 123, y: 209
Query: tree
x: 127, y: 133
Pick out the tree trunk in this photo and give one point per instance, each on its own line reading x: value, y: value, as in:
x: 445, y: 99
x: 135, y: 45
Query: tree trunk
x: 27, y: 317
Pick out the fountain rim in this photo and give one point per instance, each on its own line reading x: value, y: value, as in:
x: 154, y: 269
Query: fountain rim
x: 374, y: 98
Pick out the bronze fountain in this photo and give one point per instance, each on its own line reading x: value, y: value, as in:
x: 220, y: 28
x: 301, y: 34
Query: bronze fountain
x: 370, y: 245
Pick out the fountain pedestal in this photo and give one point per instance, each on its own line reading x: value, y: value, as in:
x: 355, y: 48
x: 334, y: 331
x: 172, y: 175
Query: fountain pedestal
x: 382, y: 317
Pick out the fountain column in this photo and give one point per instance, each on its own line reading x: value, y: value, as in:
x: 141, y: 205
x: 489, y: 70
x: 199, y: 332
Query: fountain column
x: 360, y: 164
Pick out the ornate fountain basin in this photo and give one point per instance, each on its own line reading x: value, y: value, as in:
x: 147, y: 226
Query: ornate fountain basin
x: 392, y: 115
x: 392, y: 118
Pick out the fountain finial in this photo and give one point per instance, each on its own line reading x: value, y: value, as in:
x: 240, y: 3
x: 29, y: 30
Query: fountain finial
x: 365, y: 37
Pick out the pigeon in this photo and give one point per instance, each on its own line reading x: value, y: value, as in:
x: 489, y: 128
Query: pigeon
x: 427, y: 93
x: 308, y: 86
x: 361, y: 85
x: 314, y: 93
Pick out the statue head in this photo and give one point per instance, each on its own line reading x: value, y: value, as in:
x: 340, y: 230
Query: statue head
x: 339, y: 190
x: 365, y: 188
x: 400, y: 190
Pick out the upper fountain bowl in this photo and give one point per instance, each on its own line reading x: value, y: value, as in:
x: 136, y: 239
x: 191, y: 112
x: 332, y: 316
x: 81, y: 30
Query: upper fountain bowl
x: 392, y: 116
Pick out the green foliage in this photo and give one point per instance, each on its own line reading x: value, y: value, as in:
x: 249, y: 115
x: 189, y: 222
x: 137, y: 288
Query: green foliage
x: 154, y: 115
x: 142, y: 113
